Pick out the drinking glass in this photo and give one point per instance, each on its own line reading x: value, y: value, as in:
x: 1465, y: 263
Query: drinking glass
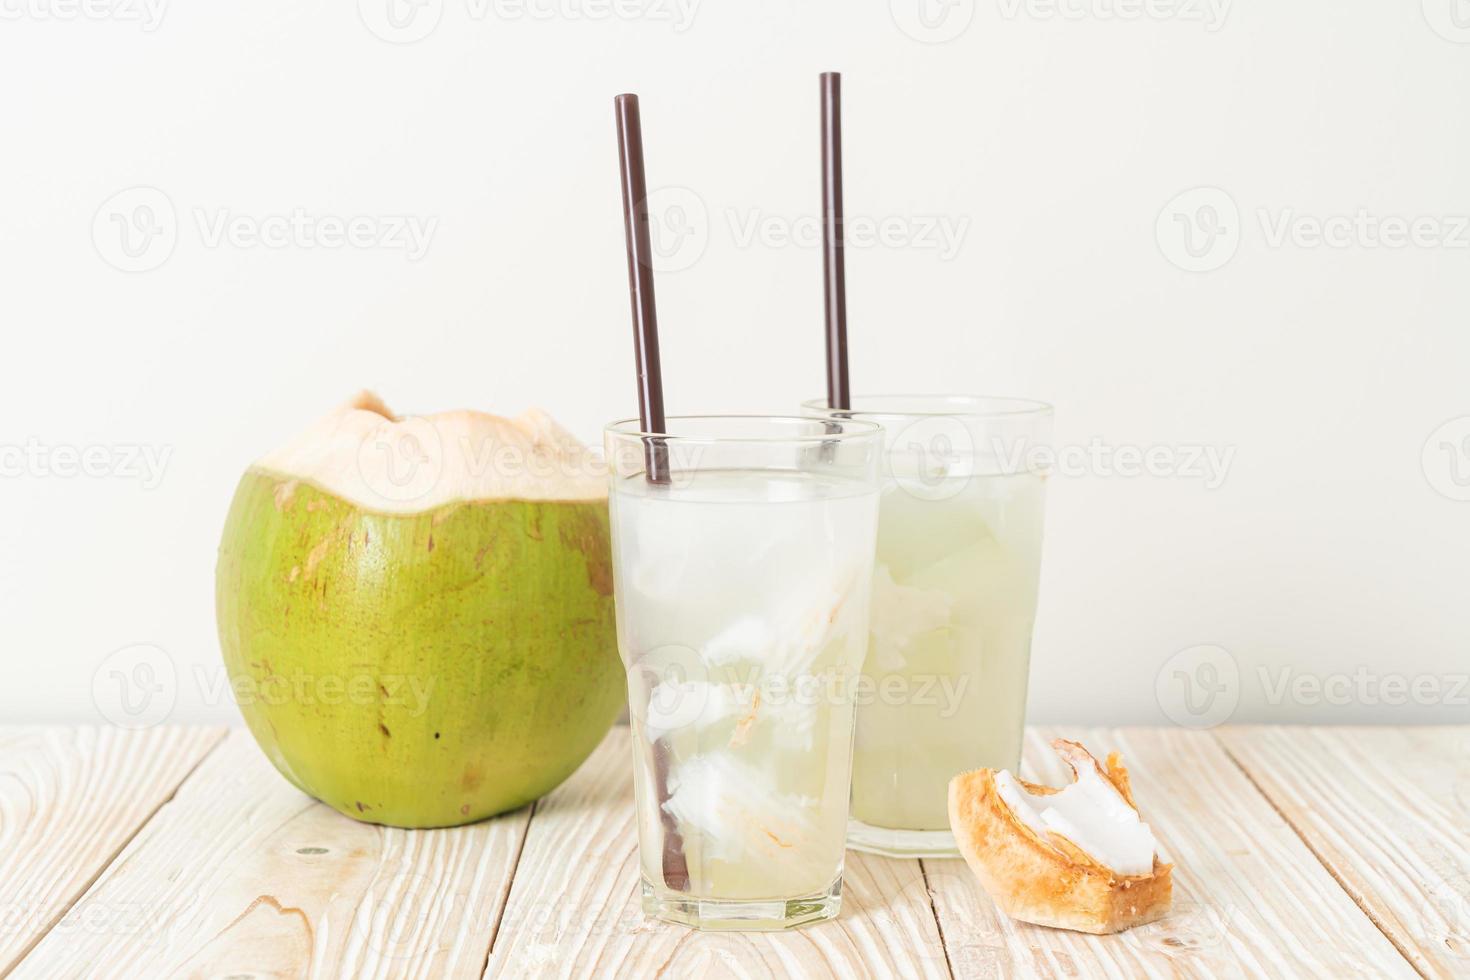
x: 954, y: 600
x: 742, y: 581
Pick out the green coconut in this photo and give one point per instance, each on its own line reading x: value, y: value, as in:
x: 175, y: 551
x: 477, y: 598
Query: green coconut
x: 416, y: 615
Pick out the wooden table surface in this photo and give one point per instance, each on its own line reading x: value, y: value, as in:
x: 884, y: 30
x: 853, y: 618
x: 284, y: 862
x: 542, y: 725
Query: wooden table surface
x: 1304, y: 852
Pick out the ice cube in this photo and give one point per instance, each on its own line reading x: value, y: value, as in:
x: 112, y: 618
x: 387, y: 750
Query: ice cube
x: 747, y: 638
x: 795, y: 725
x: 798, y: 626
x: 913, y: 532
x: 900, y: 614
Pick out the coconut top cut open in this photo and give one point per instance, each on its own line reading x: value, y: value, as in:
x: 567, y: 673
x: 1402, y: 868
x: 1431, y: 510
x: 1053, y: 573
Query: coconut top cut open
x: 377, y: 461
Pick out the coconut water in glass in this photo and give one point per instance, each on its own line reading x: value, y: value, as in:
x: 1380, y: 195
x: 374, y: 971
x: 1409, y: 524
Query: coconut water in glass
x: 742, y: 589
x: 953, y: 603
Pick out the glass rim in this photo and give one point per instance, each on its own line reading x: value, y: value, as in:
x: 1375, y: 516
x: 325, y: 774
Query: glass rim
x: 860, y: 429
x: 962, y: 407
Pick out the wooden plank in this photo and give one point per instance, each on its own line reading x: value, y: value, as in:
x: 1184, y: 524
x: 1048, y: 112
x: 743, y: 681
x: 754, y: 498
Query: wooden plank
x: 574, y: 907
x: 243, y: 875
x: 1249, y: 897
x: 1388, y: 811
x: 70, y: 799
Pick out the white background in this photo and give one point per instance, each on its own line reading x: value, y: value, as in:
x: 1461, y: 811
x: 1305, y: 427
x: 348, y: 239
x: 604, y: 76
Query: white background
x: 1056, y: 138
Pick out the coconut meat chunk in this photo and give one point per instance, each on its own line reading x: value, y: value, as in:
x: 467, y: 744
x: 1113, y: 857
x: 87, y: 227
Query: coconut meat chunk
x: 1090, y: 813
x: 1070, y: 857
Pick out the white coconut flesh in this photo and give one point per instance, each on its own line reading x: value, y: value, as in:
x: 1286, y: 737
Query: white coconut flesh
x: 366, y: 455
x: 900, y: 614
x: 1090, y: 813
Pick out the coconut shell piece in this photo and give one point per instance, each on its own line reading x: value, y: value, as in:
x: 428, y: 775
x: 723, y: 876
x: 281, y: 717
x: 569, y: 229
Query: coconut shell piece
x: 1045, y: 878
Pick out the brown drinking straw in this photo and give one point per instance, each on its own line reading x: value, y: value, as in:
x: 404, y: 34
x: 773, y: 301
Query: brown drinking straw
x: 650, y: 405
x: 640, y: 286
x: 833, y: 268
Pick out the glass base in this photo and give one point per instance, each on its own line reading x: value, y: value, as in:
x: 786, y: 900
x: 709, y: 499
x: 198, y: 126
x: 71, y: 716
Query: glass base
x: 740, y: 915
x: 900, y: 843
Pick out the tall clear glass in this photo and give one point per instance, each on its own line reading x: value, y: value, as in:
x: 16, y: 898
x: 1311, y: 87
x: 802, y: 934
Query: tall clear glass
x: 742, y: 588
x: 954, y: 600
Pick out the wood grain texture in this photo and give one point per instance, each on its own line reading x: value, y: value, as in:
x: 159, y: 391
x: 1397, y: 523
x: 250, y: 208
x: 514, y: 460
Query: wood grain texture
x: 1250, y: 900
x: 70, y: 799
x: 243, y: 875
x: 574, y: 908
x: 1388, y: 811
